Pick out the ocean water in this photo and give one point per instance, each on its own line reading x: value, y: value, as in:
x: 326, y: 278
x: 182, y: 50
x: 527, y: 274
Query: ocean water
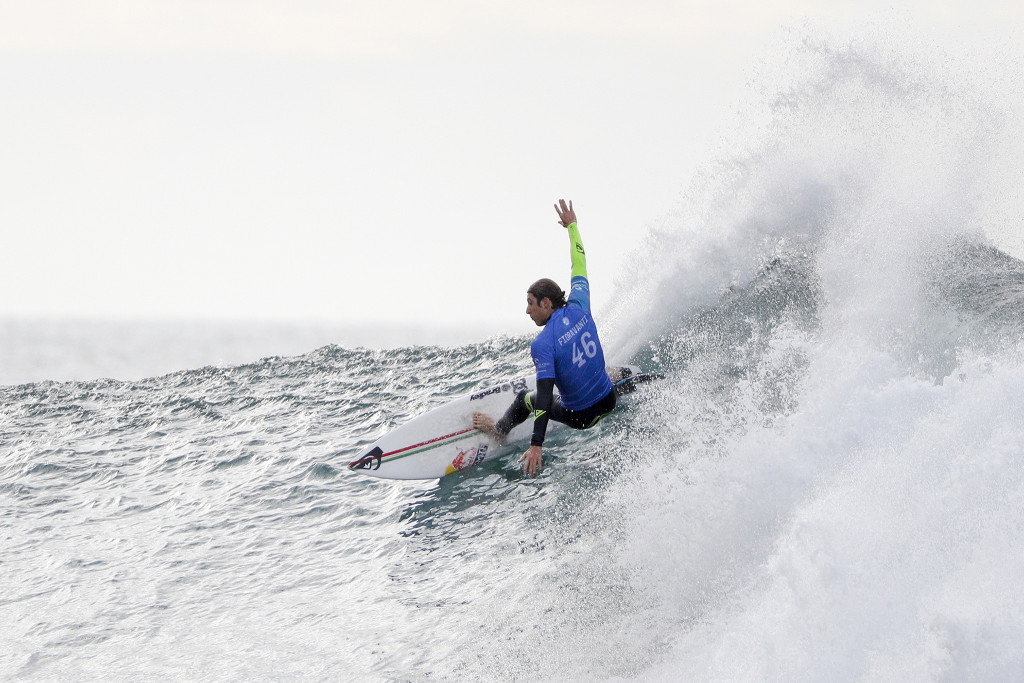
x: 828, y: 485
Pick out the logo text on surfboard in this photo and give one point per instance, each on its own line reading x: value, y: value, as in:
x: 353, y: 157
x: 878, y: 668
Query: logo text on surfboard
x: 516, y: 385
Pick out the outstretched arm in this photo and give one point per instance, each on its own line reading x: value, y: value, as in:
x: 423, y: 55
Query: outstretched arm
x: 567, y: 217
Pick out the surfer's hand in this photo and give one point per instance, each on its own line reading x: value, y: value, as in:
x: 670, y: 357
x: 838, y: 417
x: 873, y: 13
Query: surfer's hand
x: 532, y: 458
x: 566, y: 216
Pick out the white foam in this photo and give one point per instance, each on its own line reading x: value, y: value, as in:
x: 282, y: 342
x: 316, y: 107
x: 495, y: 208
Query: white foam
x: 874, y: 529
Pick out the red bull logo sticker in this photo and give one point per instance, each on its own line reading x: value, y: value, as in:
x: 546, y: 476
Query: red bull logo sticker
x: 468, y: 457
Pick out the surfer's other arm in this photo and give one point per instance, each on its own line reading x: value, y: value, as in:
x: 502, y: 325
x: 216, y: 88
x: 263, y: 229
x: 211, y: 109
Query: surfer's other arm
x: 541, y: 406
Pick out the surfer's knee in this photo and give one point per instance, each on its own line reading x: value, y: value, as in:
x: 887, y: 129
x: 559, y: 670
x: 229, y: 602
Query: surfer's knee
x: 516, y: 413
x: 525, y: 399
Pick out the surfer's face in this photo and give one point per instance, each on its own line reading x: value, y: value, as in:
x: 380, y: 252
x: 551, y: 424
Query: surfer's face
x: 539, y: 311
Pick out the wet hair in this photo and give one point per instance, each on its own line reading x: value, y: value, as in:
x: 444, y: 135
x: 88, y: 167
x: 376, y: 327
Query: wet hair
x: 547, y: 289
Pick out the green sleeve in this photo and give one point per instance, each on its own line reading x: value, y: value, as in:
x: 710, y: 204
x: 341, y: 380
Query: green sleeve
x: 579, y: 257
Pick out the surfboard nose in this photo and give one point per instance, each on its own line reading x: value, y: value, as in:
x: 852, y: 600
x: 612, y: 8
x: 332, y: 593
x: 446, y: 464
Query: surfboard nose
x: 367, y: 461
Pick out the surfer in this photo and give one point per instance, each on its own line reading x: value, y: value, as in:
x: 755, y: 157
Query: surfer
x: 567, y: 353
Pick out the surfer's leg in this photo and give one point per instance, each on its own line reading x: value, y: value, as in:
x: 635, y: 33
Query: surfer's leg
x: 588, y: 417
x: 521, y: 408
x: 516, y: 414
x: 559, y: 413
x: 485, y: 423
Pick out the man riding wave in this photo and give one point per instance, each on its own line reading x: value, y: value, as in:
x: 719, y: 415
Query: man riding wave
x: 567, y: 354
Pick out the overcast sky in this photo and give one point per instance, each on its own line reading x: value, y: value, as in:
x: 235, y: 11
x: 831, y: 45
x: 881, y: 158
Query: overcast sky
x: 392, y: 161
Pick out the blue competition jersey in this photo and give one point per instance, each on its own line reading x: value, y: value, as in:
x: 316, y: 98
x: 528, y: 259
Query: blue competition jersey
x: 568, y: 350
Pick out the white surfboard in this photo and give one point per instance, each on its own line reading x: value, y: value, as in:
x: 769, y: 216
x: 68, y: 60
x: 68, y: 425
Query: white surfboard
x: 443, y: 440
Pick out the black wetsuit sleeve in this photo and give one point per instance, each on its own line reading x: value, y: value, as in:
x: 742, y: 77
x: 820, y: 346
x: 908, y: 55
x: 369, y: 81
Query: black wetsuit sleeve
x: 542, y: 410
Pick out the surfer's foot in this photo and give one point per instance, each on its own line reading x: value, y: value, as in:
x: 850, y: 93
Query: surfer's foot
x: 485, y: 423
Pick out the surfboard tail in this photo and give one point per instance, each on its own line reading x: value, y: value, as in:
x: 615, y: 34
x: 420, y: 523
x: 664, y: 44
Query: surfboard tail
x: 627, y: 379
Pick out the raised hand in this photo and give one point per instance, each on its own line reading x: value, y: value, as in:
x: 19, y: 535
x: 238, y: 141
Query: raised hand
x: 566, y: 216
